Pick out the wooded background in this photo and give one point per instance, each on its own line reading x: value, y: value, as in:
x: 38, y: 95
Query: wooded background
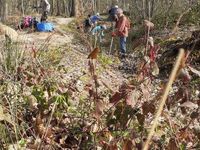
x: 162, y: 11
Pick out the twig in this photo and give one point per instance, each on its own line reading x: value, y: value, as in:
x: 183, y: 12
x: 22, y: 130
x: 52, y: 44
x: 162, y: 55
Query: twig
x: 95, y: 40
x: 111, y: 42
x: 47, y: 125
x: 148, y: 32
x: 164, y: 97
x: 179, y: 19
x: 105, y: 113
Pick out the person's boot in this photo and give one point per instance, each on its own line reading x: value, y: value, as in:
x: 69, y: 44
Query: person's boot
x: 122, y: 56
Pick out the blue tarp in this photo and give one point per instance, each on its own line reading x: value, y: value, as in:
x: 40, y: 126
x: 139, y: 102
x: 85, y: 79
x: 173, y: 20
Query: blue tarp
x: 45, y: 27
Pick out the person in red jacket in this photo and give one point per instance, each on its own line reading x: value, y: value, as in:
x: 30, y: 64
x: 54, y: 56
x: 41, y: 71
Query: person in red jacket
x: 122, y: 27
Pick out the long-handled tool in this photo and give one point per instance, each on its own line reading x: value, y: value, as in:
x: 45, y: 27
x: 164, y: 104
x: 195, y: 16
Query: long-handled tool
x: 95, y: 41
x: 111, y: 43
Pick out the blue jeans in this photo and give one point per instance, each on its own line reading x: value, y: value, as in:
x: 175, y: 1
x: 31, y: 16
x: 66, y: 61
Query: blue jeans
x: 122, y: 44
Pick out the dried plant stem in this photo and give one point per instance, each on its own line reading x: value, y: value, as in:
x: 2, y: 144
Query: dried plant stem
x: 179, y: 19
x: 148, y: 31
x: 47, y: 125
x: 147, y: 37
x: 164, y: 97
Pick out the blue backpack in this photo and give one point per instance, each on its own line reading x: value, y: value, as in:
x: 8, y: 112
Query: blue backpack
x: 45, y: 27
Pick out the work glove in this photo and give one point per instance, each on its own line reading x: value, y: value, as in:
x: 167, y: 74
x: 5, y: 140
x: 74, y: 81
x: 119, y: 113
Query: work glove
x: 113, y: 34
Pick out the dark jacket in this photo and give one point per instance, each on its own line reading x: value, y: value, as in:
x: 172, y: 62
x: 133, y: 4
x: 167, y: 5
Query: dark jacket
x: 112, y: 11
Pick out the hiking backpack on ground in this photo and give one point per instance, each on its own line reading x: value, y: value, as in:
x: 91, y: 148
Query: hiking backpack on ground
x: 45, y: 27
x: 28, y: 22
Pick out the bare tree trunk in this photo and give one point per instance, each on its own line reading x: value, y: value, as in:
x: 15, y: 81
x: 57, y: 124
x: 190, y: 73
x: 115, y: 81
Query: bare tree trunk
x: 93, y: 6
x: 52, y: 7
x: 74, y: 8
x: 77, y: 9
x: 64, y: 8
x: 36, y: 4
x: 58, y: 8
x: 98, y: 7
x: 152, y: 8
x: 22, y: 5
x: 4, y: 10
x: 143, y: 8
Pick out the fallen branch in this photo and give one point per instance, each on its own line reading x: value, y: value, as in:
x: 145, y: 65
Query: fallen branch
x: 164, y: 97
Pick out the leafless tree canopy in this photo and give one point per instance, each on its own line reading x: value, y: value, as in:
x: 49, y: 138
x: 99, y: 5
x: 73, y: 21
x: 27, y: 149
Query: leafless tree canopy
x: 137, y: 8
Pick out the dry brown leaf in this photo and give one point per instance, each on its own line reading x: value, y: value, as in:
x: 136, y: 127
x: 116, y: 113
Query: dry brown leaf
x: 128, y: 145
x: 189, y: 104
x: 99, y: 109
x: 132, y: 98
x: 172, y: 145
x: 107, y: 146
x: 5, y: 116
x: 113, y: 147
x: 148, y: 107
x: 194, y: 71
x: 40, y: 129
x: 32, y: 146
x: 185, y: 134
x: 145, y: 91
x: 94, y: 53
x: 116, y: 97
x: 140, y: 118
x: 44, y: 131
x: 38, y: 120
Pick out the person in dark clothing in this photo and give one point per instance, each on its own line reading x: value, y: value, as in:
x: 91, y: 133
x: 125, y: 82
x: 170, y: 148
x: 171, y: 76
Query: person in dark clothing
x: 28, y: 22
x: 88, y: 24
x: 113, y: 14
x: 45, y: 10
x: 88, y: 21
x: 95, y: 18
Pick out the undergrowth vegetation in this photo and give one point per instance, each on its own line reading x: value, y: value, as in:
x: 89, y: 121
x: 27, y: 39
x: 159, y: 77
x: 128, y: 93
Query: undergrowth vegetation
x: 44, y: 105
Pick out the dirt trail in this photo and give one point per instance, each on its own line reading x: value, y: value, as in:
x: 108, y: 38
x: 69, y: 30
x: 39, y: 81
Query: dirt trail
x: 75, y: 58
x: 53, y: 38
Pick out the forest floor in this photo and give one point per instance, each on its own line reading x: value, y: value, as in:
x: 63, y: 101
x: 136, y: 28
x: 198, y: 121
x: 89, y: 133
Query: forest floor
x: 63, y: 102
